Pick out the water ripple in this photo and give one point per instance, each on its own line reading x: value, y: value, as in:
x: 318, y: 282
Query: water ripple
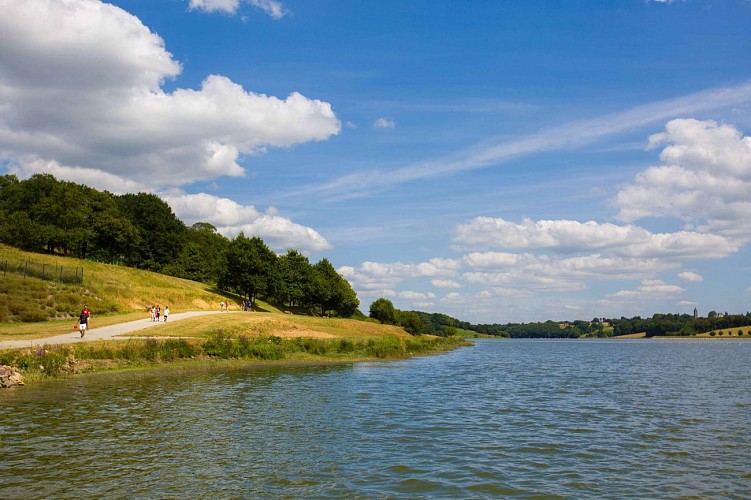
x: 502, y: 419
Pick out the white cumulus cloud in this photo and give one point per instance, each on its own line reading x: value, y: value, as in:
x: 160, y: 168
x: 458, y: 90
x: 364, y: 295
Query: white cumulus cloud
x: 444, y: 283
x: 705, y: 180
x: 81, y: 86
x: 690, y: 276
x: 230, y: 218
x: 568, y: 236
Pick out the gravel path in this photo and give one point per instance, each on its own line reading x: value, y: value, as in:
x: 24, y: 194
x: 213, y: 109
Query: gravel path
x: 101, y: 333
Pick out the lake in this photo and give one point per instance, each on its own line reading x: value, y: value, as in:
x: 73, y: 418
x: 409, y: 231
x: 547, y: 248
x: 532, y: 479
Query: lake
x: 504, y: 418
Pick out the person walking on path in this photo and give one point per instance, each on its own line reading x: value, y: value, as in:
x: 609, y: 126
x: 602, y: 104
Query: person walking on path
x: 152, y: 310
x: 158, y: 313
x: 83, y: 322
x: 166, y: 313
x: 87, y: 312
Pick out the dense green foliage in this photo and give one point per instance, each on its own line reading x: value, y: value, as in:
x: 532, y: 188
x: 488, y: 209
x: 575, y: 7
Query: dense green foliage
x: 383, y: 310
x: 42, y: 214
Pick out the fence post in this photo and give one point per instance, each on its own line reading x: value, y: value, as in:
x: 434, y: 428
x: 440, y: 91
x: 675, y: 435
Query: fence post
x: 25, y: 268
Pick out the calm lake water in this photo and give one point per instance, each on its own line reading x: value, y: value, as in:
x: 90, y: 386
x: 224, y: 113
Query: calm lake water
x: 569, y: 419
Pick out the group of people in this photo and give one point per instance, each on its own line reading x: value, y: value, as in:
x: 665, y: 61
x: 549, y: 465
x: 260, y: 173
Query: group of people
x: 224, y: 306
x: 85, y: 316
x: 83, y: 320
x: 156, y: 313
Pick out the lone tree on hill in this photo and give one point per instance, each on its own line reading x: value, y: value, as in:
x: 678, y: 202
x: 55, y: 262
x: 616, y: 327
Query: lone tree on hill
x: 383, y: 310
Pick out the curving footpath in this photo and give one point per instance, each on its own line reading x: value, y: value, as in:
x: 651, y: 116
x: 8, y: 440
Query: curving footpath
x: 101, y: 333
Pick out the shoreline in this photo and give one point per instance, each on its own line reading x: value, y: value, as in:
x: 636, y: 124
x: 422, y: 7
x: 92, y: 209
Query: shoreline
x: 184, y: 367
x: 140, y: 356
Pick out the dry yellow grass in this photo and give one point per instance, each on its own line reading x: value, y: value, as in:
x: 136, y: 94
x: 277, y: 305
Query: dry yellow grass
x: 730, y: 332
x: 278, y: 324
x: 632, y: 336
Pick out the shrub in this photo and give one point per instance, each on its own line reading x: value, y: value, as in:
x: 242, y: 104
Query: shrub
x: 219, y: 344
x: 345, y: 346
x: 151, y: 349
x: 384, y: 348
x: 48, y: 361
x: 265, y: 348
x: 224, y: 345
x: 32, y: 315
x: 172, y: 349
x: 131, y: 351
x: 314, y: 346
x: 93, y: 351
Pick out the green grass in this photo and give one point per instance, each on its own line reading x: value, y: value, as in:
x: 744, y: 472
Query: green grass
x: 56, y: 361
x: 106, y: 289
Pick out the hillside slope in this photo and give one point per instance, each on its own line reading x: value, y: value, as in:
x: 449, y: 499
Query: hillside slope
x: 33, y: 308
x: 106, y: 289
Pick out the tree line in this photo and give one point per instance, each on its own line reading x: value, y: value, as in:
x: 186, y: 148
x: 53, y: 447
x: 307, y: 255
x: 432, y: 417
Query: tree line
x: 44, y: 214
x: 678, y: 324
x: 658, y: 325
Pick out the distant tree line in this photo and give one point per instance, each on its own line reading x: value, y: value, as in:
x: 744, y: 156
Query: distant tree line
x: 658, y: 325
x: 678, y: 324
x: 43, y: 214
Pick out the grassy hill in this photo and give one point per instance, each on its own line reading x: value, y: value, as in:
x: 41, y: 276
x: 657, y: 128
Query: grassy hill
x: 106, y: 289
x: 35, y: 308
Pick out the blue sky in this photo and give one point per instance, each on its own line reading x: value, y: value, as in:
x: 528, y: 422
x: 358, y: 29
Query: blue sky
x: 495, y: 161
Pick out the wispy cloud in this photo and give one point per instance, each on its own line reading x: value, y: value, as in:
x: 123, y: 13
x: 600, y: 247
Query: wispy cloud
x: 273, y: 8
x: 384, y: 123
x: 569, y: 135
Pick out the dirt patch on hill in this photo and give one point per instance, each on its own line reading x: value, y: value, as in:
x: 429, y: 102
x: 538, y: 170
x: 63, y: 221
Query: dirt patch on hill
x: 296, y: 333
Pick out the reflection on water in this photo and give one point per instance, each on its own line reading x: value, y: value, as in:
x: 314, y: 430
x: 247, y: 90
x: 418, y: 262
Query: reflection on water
x: 503, y: 418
